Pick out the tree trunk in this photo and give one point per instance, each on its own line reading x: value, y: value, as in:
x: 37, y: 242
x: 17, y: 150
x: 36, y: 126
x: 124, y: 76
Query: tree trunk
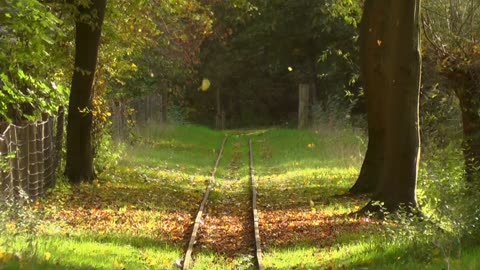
x: 469, y: 98
x: 397, y: 186
x: 402, y: 133
x: 372, y: 32
x: 79, y: 163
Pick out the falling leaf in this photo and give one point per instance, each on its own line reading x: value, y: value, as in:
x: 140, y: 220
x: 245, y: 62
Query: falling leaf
x: 205, y: 85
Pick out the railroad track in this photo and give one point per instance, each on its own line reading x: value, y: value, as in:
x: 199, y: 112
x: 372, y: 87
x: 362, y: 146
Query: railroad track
x: 188, y: 259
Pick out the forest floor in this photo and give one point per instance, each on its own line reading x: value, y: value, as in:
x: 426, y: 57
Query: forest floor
x: 139, y: 213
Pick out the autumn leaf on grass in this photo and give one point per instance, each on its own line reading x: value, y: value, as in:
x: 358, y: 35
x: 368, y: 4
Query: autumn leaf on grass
x: 48, y: 256
x: 118, y: 265
x: 5, y: 257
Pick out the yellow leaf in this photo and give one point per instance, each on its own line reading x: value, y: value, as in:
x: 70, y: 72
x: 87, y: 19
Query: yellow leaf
x: 118, y: 265
x: 205, y: 85
x: 48, y: 256
x: 5, y: 257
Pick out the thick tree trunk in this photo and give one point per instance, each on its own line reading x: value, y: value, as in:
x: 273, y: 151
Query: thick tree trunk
x: 469, y: 98
x: 397, y: 186
x: 372, y: 32
x: 79, y: 163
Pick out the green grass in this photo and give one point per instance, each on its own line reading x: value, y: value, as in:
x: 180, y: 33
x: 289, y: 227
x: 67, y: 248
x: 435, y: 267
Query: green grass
x: 138, y: 214
x: 135, y: 215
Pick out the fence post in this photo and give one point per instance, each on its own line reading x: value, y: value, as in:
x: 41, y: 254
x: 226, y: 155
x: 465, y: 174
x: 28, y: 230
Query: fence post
x: 303, y: 106
x: 4, y: 173
x: 21, y: 142
x: 59, y: 137
x: 12, y: 161
x: 32, y: 161
x: 48, y: 155
x: 40, y: 127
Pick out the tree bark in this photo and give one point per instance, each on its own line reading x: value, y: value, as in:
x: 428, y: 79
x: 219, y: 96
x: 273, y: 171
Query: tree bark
x: 79, y: 163
x: 469, y: 97
x: 372, y: 34
x: 397, y: 186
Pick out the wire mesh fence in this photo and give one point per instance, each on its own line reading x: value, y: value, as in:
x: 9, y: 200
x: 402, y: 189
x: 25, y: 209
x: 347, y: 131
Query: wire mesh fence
x: 29, y: 156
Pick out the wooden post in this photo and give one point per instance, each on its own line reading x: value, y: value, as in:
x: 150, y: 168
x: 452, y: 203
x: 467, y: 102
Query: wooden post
x: 49, y: 157
x: 161, y: 112
x: 303, y: 105
x: 164, y: 106
x: 59, y: 137
x: 40, y: 126
x: 12, y: 149
x: 223, y: 120
x: 10, y: 179
x: 4, y: 172
x: 21, y: 141
x: 219, y: 118
x: 32, y: 161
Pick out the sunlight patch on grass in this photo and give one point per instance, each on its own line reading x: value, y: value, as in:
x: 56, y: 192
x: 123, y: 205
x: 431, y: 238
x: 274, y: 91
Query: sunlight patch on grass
x: 54, y: 252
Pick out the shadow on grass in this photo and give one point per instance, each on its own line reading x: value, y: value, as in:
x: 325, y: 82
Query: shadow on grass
x: 298, y: 197
x: 123, y: 240
x: 145, y: 195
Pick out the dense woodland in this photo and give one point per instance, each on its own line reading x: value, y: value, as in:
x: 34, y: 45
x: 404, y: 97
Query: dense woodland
x: 403, y: 75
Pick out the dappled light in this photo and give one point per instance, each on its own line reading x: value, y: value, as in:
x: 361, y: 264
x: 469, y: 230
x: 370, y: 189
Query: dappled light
x: 239, y: 135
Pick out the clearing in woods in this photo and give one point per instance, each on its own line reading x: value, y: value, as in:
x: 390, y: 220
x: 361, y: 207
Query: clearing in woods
x: 140, y: 213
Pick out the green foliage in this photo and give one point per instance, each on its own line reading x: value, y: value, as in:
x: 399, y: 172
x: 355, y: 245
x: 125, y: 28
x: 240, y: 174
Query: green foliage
x: 107, y: 153
x: 29, y: 40
x: 260, y: 40
x: 158, y: 50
